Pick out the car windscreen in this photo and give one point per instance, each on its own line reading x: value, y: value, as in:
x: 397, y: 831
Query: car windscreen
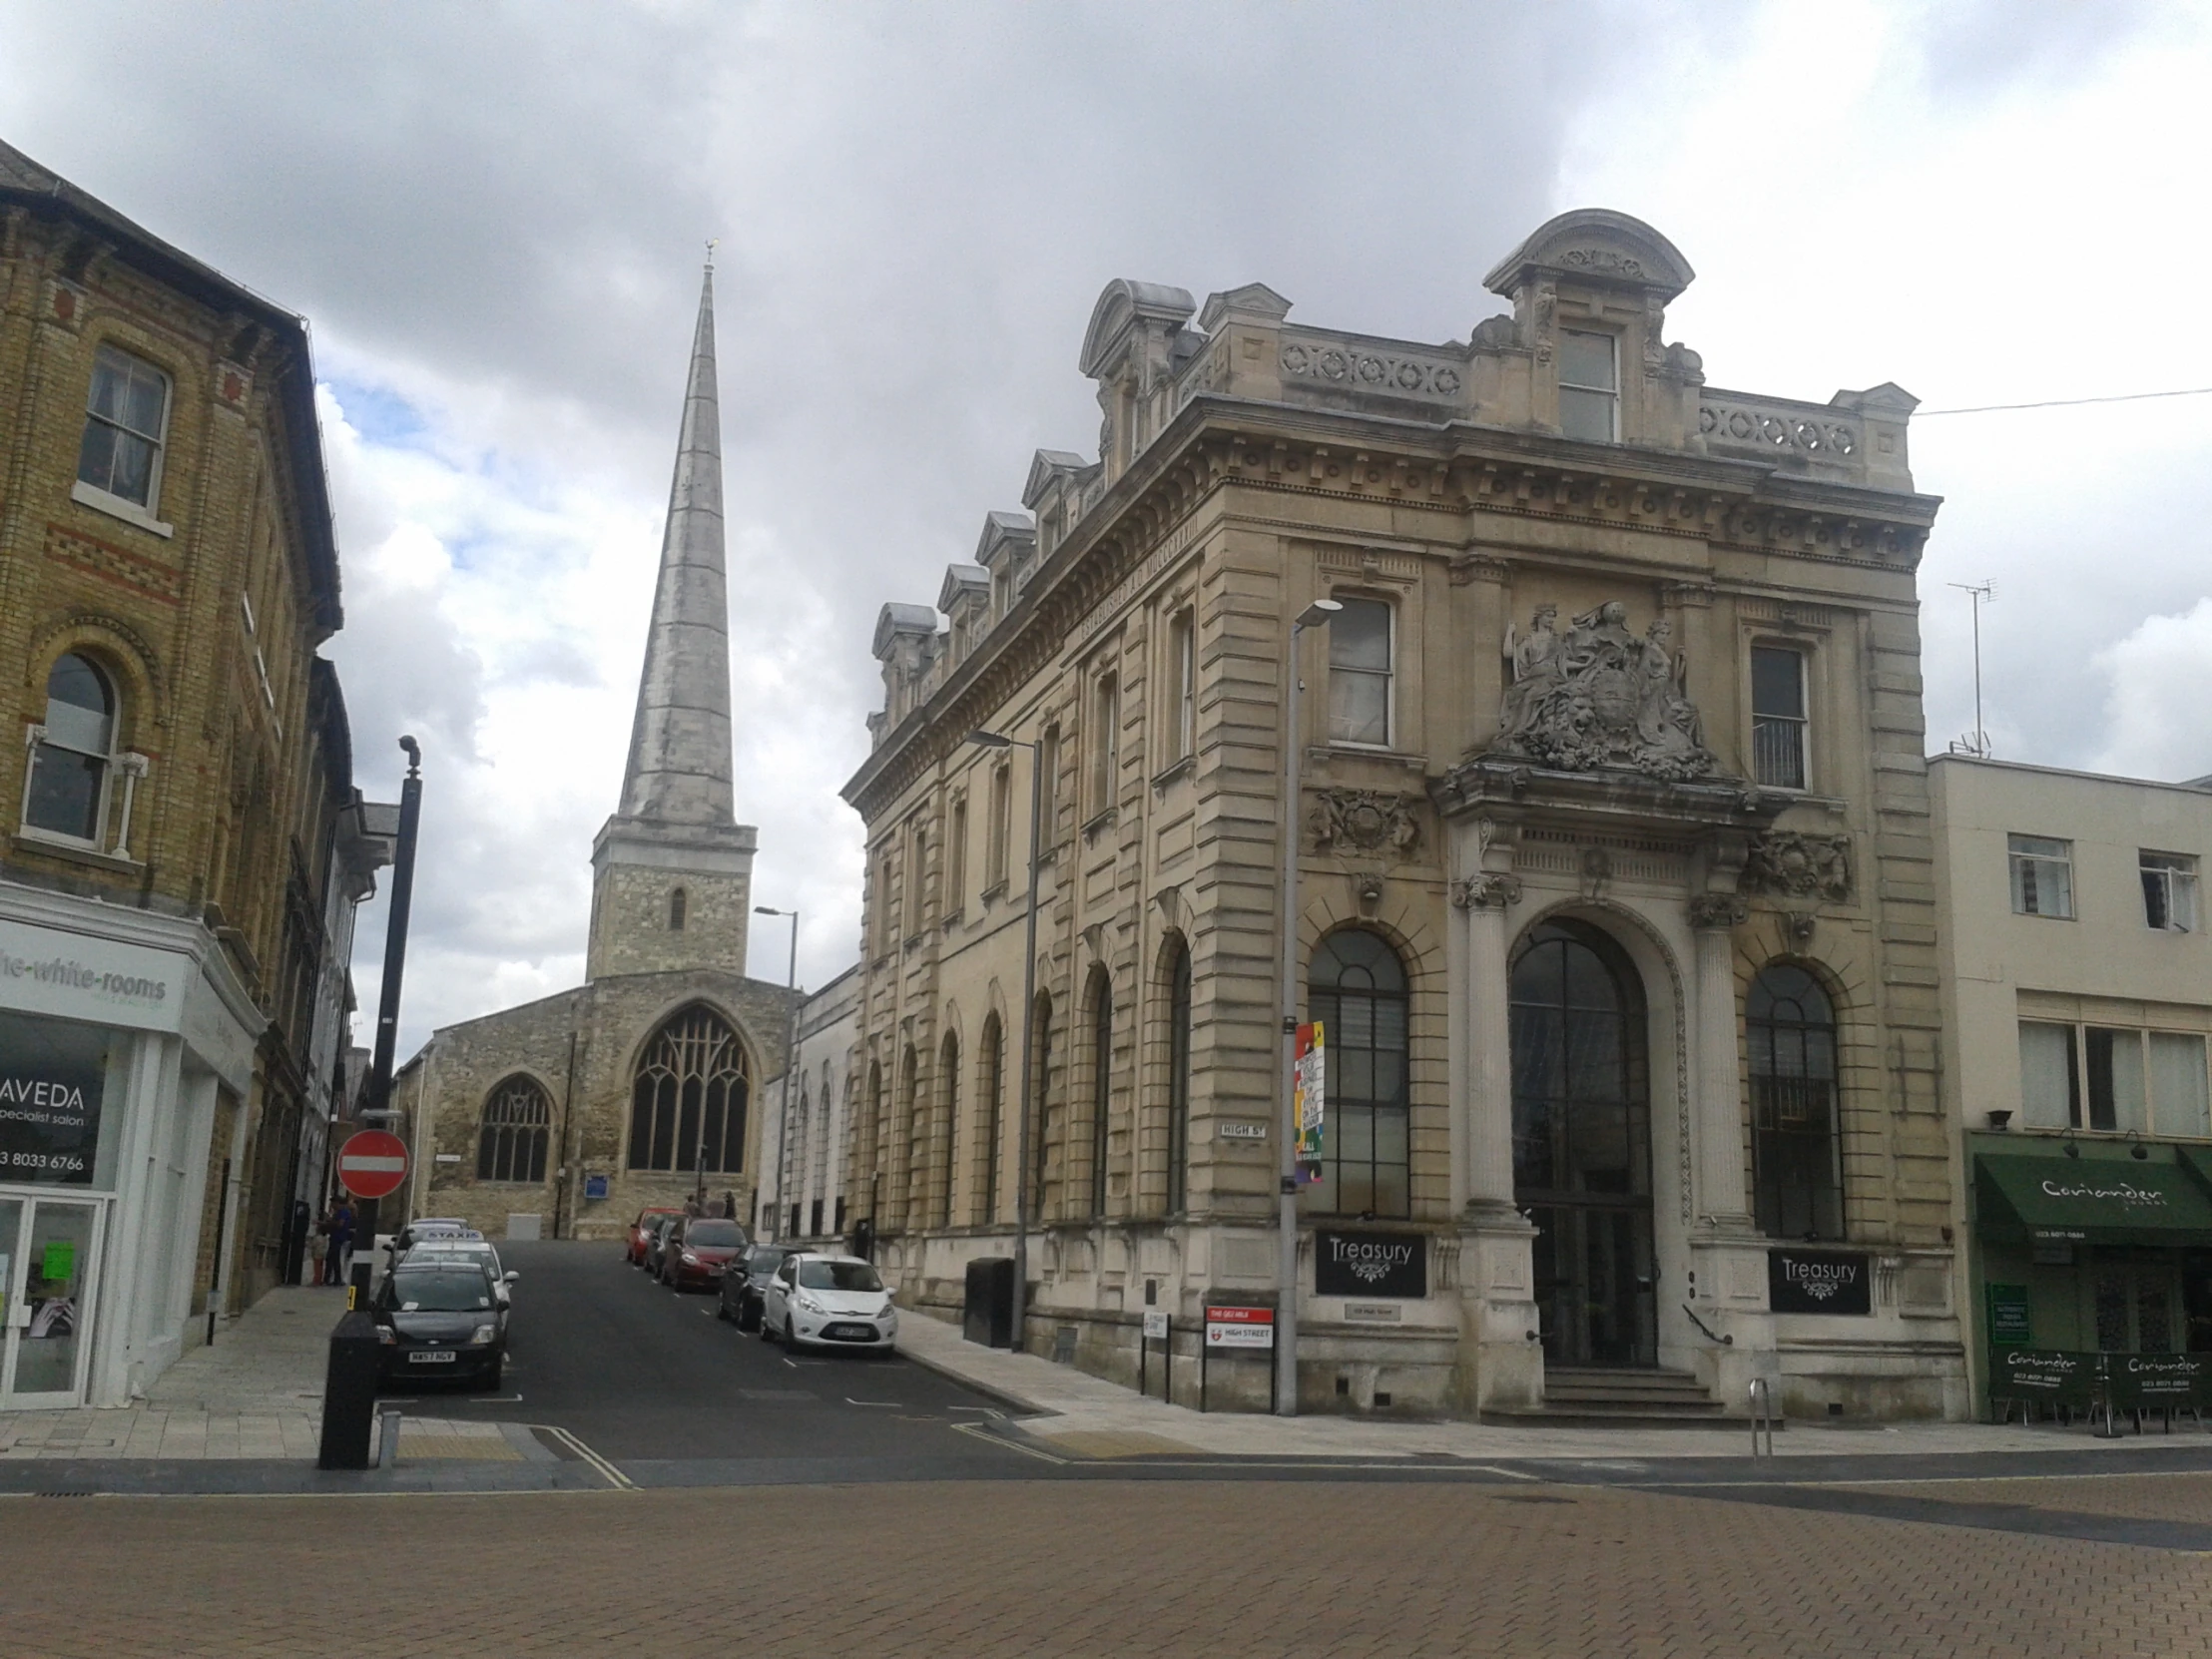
x: 715, y: 1235
x: 438, y: 1291
x: 837, y: 1276
x: 765, y: 1259
x: 448, y: 1250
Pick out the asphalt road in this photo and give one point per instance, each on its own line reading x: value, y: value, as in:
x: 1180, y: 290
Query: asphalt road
x: 652, y: 1382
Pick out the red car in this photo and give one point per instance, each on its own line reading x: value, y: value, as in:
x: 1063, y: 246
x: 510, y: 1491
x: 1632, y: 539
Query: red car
x: 697, y: 1252
x: 633, y: 1247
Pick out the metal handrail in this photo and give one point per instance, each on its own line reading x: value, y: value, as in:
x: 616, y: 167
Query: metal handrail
x: 1715, y: 1336
x: 1762, y: 1414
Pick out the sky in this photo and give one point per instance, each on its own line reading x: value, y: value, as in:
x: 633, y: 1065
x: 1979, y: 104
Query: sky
x: 494, y: 217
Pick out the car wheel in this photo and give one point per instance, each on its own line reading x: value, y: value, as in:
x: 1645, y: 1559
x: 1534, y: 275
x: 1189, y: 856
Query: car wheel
x: 492, y: 1377
x: 791, y: 1338
x: 722, y: 1309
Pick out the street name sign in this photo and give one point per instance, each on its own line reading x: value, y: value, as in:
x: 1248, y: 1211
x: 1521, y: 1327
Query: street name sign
x: 1240, y: 1327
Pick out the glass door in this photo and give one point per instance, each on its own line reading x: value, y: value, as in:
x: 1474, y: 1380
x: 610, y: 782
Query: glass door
x: 49, y: 1247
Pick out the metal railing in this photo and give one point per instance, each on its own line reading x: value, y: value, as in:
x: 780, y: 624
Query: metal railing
x: 1762, y: 1415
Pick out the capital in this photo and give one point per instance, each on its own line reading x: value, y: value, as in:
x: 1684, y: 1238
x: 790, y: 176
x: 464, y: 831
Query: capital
x: 1485, y: 893
x: 1717, y: 910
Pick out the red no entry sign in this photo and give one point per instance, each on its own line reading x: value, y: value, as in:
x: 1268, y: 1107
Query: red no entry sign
x: 372, y: 1163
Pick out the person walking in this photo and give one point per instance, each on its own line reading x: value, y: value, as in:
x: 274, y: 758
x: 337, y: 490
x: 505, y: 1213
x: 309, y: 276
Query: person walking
x: 319, y: 1245
x: 342, y: 1242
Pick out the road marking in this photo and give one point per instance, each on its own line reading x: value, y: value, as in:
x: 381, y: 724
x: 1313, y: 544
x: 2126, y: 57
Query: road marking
x: 982, y: 1433
x: 893, y: 1403
x: 613, y: 1477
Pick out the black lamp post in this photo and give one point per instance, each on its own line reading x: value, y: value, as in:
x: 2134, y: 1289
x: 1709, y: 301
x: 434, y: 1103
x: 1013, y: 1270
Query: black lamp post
x: 395, y: 933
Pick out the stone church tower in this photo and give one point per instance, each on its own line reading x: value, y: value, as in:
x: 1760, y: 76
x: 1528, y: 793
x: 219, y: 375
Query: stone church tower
x: 672, y: 871
x: 650, y: 1082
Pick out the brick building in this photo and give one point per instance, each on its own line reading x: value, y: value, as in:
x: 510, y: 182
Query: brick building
x: 641, y: 1086
x: 1615, y: 892
x: 184, y: 846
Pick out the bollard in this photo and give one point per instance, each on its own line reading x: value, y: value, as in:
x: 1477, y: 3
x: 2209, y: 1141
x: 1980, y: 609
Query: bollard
x: 349, y: 1393
x: 387, y: 1438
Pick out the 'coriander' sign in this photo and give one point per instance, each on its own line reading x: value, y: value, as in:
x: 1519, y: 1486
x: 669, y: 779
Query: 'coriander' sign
x: 1371, y: 1264
x: 1817, y: 1282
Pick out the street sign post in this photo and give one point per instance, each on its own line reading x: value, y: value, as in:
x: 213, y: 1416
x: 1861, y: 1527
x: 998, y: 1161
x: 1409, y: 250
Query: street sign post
x: 1232, y: 1330
x: 372, y: 1164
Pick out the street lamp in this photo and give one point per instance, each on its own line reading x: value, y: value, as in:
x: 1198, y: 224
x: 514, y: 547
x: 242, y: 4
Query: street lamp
x: 995, y: 739
x: 790, y: 1061
x: 1317, y: 615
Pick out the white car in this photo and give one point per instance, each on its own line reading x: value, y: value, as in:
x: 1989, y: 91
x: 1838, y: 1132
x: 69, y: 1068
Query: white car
x: 834, y: 1301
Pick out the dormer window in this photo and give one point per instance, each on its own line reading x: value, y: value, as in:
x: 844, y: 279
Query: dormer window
x: 1589, y: 386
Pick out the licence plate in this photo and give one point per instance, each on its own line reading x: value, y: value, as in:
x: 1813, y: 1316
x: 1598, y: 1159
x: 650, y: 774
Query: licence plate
x: 432, y: 1357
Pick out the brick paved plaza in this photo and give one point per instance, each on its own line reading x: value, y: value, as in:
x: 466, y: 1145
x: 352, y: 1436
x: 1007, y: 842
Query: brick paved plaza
x: 986, y: 1568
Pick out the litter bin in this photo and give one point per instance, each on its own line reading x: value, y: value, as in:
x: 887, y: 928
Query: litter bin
x: 349, y: 1394
x: 988, y: 1315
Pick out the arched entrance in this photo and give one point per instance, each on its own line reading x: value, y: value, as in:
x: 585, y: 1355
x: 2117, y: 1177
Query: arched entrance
x: 1582, y: 1145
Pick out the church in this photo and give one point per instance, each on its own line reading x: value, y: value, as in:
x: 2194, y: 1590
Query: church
x: 565, y: 1116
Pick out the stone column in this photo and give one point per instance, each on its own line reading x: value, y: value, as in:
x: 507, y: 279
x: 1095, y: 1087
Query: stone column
x: 1720, y: 1114
x: 1486, y: 1138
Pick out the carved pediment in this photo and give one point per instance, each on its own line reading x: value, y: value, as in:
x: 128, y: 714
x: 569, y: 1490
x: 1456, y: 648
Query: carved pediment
x: 1599, y: 699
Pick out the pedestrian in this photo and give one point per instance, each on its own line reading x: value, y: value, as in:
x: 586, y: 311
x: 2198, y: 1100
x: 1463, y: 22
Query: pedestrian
x: 342, y: 1242
x: 319, y: 1245
x: 692, y: 1207
x: 730, y: 1203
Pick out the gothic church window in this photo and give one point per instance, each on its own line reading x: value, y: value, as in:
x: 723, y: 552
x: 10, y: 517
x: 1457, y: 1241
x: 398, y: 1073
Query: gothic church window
x: 675, y: 911
x: 688, y: 1097
x: 126, y: 419
x: 510, y: 1145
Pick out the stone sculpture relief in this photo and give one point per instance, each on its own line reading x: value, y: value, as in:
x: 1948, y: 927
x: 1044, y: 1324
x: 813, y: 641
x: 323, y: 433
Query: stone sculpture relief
x: 1599, y: 699
x: 1366, y: 822
x: 1486, y: 892
x: 1801, y: 865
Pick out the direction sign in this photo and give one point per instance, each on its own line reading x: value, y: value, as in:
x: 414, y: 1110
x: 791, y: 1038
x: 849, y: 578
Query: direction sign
x: 1240, y: 1327
x: 372, y: 1163
x: 1156, y: 1325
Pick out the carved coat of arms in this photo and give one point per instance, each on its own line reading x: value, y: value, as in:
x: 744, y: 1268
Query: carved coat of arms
x: 1366, y: 822
x: 1597, y: 698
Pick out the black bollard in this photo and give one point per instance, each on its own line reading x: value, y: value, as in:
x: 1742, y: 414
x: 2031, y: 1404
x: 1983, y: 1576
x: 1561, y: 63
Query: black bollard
x: 349, y: 1393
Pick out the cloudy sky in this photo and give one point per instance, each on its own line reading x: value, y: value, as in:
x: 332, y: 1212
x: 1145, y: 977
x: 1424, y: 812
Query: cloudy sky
x: 494, y: 217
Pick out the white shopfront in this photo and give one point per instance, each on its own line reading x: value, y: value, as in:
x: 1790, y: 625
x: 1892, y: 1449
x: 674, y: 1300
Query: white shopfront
x: 118, y: 1030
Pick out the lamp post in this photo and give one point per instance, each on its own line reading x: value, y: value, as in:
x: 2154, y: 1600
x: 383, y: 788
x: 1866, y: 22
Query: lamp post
x: 1316, y: 615
x: 395, y: 960
x: 994, y: 740
x: 791, y: 1062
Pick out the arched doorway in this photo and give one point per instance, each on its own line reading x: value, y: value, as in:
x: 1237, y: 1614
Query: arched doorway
x: 1582, y: 1145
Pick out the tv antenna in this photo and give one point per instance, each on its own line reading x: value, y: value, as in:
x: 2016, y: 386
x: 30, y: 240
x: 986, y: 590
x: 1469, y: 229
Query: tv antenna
x: 1977, y: 742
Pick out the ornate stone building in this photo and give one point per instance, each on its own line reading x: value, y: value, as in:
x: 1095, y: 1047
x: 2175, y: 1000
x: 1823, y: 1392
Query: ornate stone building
x: 184, y: 846
x: 1615, y: 904
x: 641, y: 1086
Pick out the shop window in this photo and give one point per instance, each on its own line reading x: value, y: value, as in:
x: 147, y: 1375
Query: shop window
x: 2050, y: 1081
x: 2042, y: 875
x: 511, y: 1142
x: 1589, y: 386
x: 1355, y: 991
x: 2169, y: 890
x: 73, y: 753
x: 1777, y: 719
x: 1359, y: 672
x: 126, y: 420
x: 1795, y: 1171
x: 688, y: 1097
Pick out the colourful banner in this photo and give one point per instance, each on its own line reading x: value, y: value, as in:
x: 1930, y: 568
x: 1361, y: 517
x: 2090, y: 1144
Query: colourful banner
x: 1309, y: 1098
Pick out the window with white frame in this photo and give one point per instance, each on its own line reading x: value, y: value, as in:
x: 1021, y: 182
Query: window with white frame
x: 126, y: 420
x: 1105, y: 742
x: 1589, y: 386
x: 1000, y: 834
x: 2169, y: 890
x: 2113, y: 1078
x: 73, y: 753
x: 1777, y: 719
x: 1359, y: 672
x: 1183, y: 684
x: 2042, y: 875
x: 955, y: 860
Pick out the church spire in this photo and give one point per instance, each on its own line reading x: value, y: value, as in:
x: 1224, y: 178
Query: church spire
x: 679, y: 770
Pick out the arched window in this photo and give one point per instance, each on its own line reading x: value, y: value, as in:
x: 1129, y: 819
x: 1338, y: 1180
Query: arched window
x: 675, y: 911
x: 993, y: 1082
x: 1795, y: 1156
x: 1178, y: 1079
x: 949, y: 1059
x: 1356, y: 993
x: 67, y: 794
x: 688, y: 1097
x: 1040, y: 1083
x: 1102, y: 1081
x: 511, y: 1144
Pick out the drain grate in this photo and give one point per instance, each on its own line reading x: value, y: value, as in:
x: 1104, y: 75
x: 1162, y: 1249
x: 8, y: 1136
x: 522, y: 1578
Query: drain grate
x: 86, y: 1492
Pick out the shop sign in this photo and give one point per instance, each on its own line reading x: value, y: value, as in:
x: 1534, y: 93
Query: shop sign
x: 1240, y: 1327
x: 1371, y: 1264
x: 44, y: 970
x: 51, y: 1078
x: 2145, y: 1381
x: 2043, y: 1373
x: 2009, y: 1325
x: 1817, y: 1282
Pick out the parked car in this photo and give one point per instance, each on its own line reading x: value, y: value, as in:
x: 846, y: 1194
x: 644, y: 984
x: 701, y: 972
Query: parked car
x: 472, y: 1247
x: 655, y: 1241
x: 836, y: 1301
x: 642, y: 1230
x: 697, y: 1250
x: 439, y: 1321
x: 741, y: 1292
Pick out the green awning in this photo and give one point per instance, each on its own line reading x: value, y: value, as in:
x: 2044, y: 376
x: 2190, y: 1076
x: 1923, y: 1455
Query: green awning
x: 2109, y: 1201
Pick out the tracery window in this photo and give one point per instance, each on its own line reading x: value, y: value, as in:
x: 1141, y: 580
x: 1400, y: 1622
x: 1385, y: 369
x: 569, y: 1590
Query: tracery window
x: 517, y: 1121
x: 688, y: 1097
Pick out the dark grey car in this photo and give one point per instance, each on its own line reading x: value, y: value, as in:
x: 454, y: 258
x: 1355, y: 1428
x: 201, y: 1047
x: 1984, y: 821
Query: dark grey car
x: 440, y: 1322
x: 743, y: 1293
x: 655, y: 1243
